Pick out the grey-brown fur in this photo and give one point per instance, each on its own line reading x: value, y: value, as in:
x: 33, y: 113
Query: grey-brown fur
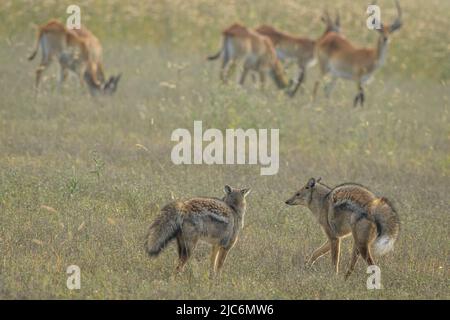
x: 216, y: 221
x: 347, y: 209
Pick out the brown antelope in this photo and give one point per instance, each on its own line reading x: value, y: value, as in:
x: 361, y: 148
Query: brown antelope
x: 340, y: 58
x: 77, y: 50
x: 257, y: 52
x: 299, y: 49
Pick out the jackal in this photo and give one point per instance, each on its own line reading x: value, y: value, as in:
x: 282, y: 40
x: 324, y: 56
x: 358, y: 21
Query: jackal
x: 257, y: 52
x: 77, y: 50
x: 214, y: 220
x: 347, y: 209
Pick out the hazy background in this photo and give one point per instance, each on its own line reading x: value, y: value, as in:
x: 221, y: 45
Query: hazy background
x: 81, y: 178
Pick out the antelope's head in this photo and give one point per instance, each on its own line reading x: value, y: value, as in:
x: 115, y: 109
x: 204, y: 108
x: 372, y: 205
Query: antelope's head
x: 331, y: 26
x: 106, y: 88
x: 111, y: 85
x: 386, y: 30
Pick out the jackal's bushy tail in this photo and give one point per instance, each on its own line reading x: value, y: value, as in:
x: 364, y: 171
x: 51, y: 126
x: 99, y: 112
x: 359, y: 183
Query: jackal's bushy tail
x: 165, y: 228
x: 388, y: 226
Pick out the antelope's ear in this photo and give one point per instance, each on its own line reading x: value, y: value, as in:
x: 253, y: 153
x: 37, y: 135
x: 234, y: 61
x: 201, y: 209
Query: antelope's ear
x: 245, y: 192
x: 311, y: 183
x: 227, y: 189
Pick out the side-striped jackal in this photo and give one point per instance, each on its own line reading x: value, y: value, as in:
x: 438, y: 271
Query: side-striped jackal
x: 214, y: 220
x: 347, y: 209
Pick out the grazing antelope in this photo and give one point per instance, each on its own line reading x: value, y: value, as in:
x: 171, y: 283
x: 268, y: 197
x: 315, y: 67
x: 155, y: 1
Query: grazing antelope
x: 257, y: 52
x: 349, y: 209
x: 299, y: 49
x: 77, y: 50
x: 340, y: 58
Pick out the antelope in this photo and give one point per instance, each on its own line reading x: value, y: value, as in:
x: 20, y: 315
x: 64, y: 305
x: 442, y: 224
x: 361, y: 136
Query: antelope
x: 299, y: 49
x: 257, y: 52
x: 77, y: 50
x: 340, y: 58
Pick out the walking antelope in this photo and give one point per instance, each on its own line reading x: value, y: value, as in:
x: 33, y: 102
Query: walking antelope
x: 257, y: 52
x: 77, y: 50
x: 299, y: 49
x: 340, y: 58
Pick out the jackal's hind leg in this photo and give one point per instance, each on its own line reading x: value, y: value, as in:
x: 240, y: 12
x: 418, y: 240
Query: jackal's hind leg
x: 355, y: 255
x: 185, y: 249
x: 335, y: 252
x: 364, y: 233
x: 366, y: 254
x: 222, y: 256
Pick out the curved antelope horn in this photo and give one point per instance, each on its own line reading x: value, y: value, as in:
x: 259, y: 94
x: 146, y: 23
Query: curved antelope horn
x: 398, y: 21
x: 116, y: 80
x: 326, y: 17
x: 337, y: 22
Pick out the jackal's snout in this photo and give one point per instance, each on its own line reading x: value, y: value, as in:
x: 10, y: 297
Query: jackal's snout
x: 303, y: 196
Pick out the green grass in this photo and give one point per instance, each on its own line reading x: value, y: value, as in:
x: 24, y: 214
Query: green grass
x: 79, y: 156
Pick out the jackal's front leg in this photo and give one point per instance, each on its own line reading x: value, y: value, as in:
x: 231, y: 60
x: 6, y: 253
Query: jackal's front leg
x: 335, y: 251
x: 319, y: 252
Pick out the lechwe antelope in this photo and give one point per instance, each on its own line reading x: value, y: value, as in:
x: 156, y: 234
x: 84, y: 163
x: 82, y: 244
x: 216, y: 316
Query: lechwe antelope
x: 298, y: 49
x: 257, y: 51
x: 341, y: 59
x: 77, y: 50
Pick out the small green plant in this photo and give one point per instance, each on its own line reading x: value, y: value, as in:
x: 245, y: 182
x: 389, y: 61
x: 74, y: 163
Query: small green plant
x: 73, y: 184
x: 99, y: 164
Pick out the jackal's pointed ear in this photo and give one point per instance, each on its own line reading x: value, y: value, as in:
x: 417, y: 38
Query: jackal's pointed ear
x: 245, y: 192
x: 227, y: 189
x: 311, y: 183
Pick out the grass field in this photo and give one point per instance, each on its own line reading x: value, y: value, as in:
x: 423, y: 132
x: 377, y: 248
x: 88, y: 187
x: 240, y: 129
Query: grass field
x: 77, y: 188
